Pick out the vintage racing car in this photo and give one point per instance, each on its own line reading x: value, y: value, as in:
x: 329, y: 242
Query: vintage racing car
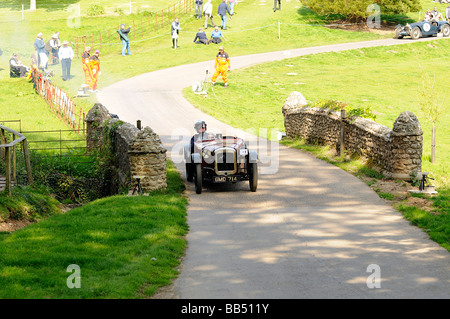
x: 220, y: 159
x: 422, y: 28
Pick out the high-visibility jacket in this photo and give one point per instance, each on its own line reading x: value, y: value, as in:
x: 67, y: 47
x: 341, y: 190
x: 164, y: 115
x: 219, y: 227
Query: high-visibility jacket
x: 86, y: 66
x: 222, y: 64
x: 94, y: 67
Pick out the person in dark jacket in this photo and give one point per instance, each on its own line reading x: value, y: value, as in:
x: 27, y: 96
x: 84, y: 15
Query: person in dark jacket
x: 222, y: 11
x: 201, y: 36
x: 42, y: 53
x: 16, y: 68
x: 123, y: 35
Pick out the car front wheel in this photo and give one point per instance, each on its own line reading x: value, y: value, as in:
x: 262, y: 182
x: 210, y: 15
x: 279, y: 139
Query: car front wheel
x: 416, y: 33
x: 445, y: 30
x: 253, y: 176
x: 198, y: 178
x: 397, y: 33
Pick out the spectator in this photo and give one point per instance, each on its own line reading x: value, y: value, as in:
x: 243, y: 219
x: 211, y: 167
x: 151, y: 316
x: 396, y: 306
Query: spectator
x: 86, y: 67
x: 428, y: 15
x: 207, y: 12
x: 436, y: 14
x: 201, y: 36
x: 231, y: 4
x: 123, y: 35
x: 54, y: 45
x: 216, y: 36
x: 16, y: 68
x: 275, y: 5
x: 41, y: 51
x: 94, y: 66
x: 222, y: 11
x: 447, y: 13
x: 65, y: 56
x: 175, y: 30
x: 198, y: 8
x: 222, y: 60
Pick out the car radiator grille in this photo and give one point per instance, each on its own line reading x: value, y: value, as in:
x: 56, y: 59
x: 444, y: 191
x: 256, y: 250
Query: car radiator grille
x: 225, y: 161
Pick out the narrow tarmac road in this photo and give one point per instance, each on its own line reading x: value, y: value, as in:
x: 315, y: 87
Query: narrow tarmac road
x: 310, y: 231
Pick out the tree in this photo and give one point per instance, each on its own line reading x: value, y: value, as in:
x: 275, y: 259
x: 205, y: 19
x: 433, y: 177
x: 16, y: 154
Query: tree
x: 356, y: 10
x: 431, y: 105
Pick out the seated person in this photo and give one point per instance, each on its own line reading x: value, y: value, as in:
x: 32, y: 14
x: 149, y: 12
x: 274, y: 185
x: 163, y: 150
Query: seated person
x: 17, y: 69
x: 436, y: 15
x: 428, y: 15
x: 216, y: 36
x: 201, y: 36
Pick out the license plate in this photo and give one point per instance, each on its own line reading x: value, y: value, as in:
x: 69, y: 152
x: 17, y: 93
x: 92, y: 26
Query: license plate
x: 226, y: 179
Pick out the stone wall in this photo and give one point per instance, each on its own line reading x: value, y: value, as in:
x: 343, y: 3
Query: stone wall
x: 126, y: 150
x: 397, y: 152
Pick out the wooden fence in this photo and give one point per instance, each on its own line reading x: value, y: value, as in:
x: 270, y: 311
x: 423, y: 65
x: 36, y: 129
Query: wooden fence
x: 8, y: 154
x: 141, y: 27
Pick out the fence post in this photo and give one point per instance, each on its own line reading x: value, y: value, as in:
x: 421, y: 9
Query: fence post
x: 8, y: 170
x: 341, y: 134
x: 26, y: 156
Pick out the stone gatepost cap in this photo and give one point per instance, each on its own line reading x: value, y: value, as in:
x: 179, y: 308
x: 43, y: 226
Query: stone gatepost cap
x: 294, y: 100
x: 97, y: 112
x: 406, y: 124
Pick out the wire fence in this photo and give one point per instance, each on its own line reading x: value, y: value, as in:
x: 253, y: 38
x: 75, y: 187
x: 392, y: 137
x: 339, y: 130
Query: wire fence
x: 142, y: 28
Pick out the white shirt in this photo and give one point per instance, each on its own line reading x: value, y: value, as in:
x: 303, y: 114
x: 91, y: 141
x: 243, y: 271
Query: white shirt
x: 65, y: 53
x: 207, y: 8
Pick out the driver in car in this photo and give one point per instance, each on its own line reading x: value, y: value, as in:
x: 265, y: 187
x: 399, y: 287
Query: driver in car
x: 202, y: 135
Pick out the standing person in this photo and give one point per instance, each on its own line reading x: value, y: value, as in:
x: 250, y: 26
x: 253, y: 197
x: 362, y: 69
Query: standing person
x: 65, y: 55
x: 174, y: 30
x: 94, y: 66
x: 86, y: 67
x: 222, y: 11
x: 123, y: 36
x: 275, y: 5
x: 201, y: 36
x: 232, y: 4
x: 447, y: 13
x: 207, y: 12
x: 39, y: 45
x: 216, y: 36
x: 55, y: 44
x: 222, y: 60
x: 198, y: 8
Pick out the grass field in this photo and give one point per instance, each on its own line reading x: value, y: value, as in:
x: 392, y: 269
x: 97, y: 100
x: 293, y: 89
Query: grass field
x: 125, y: 247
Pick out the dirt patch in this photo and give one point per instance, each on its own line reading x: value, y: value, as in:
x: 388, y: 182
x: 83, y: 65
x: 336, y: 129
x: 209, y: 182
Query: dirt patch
x: 362, y: 27
x: 400, y: 193
x: 12, y: 225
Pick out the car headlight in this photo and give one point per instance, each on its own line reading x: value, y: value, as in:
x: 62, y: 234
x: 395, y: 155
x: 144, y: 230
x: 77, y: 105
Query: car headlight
x: 206, y: 154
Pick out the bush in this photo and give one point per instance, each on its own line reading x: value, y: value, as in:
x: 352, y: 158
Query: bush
x: 356, y: 10
x: 95, y: 10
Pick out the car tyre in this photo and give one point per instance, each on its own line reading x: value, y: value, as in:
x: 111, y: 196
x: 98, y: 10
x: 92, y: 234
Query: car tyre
x: 253, y: 176
x: 198, y: 178
x: 397, y: 33
x: 445, y: 30
x: 189, y: 173
x: 416, y: 33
